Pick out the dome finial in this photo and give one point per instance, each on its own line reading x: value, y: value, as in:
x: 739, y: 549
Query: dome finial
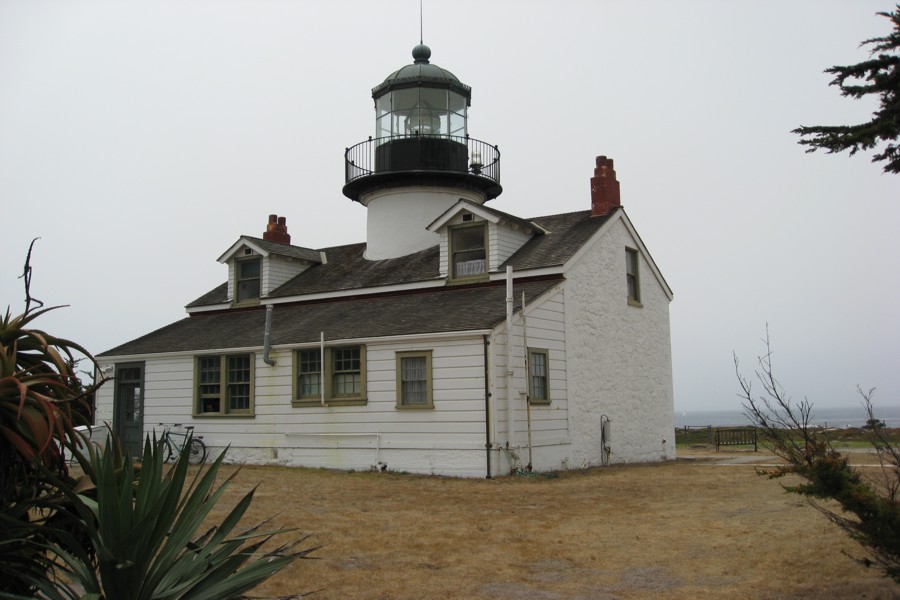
x: 421, y: 54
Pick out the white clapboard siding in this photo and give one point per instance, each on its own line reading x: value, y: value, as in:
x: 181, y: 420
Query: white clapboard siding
x: 278, y: 270
x: 545, y: 322
x: 504, y: 240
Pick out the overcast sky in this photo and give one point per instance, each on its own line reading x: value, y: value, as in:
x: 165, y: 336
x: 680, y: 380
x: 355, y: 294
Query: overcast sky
x: 138, y: 140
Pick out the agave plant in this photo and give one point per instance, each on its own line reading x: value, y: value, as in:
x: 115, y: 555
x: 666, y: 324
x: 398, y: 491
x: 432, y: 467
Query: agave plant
x: 146, y: 531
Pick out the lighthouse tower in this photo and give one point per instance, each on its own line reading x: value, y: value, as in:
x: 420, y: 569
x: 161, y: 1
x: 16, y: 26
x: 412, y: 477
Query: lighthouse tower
x: 421, y: 160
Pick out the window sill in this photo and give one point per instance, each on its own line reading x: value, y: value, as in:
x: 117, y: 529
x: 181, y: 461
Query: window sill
x: 311, y: 402
x: 539, y: 402
x: 635, y: 303
x: 415, y: 406
x: 223, y: 415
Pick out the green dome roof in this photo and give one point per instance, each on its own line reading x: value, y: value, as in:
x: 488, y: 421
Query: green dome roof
x: 422, y: 72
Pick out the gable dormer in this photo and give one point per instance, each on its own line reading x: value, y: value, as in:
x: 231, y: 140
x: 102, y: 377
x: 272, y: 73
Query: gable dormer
x: 256, y: 266
x: 475, y: 240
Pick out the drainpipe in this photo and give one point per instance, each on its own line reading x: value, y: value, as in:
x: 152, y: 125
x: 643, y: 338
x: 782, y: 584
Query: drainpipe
x: 267, y: 346
x: 510, y: 419
x: 487, y: 408
x: 322, y: 367
x: 527, y: 382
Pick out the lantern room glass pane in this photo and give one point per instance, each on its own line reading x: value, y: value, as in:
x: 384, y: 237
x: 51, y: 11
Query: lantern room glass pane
x: 457, y: 125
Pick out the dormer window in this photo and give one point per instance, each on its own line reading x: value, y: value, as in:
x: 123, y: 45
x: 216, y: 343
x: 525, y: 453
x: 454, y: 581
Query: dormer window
x: 468, y: 251
x: 248, y: 272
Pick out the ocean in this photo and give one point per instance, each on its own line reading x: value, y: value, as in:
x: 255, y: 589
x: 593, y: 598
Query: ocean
x: 851, y: 416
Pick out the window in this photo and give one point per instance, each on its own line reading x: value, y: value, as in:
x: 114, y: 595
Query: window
x: 247, y: 279
x: 632, y: 279
x: 345, y: 372
x: 343, y: 376
x: 309, y: 373
x: 538, y: 376
x: 414, y: 380
x: 225, y: 385
x: 468, y: 251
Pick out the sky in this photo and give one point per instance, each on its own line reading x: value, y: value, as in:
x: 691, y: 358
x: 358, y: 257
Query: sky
x: 139, y: 140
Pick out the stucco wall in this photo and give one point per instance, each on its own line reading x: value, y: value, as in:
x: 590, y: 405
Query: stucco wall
x: 619, y: 356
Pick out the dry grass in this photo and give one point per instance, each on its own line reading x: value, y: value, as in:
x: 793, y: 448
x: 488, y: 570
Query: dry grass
x: 689, y: 529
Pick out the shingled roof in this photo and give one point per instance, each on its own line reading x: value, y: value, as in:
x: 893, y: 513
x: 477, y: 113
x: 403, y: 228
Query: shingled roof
x: 346, y: 268
x: 432, y: 310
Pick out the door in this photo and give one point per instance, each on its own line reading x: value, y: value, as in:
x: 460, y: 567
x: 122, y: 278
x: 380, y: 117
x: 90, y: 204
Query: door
x: 128, y: 407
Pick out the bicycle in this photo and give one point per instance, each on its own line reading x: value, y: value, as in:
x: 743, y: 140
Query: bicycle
x: 197, y: 450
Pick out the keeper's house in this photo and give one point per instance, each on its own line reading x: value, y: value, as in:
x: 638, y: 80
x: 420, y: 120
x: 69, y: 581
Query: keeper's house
x: 457, y: 339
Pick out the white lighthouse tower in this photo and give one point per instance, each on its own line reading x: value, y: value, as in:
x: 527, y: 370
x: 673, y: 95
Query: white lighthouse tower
x: 421, y: 160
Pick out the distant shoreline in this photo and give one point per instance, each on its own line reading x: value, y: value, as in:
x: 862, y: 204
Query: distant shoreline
x: 840, y: 417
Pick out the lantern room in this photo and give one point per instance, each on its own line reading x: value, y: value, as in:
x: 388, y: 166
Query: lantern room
x: 421, y: 99
x: 422, y: 137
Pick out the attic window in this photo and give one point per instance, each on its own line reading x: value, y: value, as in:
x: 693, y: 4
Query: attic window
x: 468, y: 251
x: 632, y: 277
x: 248, y: 278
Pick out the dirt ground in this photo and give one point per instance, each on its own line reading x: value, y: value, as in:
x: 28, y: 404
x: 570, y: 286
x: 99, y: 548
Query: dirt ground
x: 704, y: 526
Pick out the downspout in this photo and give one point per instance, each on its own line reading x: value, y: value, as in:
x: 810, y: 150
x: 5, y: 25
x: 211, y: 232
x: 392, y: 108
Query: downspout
x: 510, y: 419
x: 322, y: 367
x: 267, y: 339
x: 487, y: 408
x: 527, y: 381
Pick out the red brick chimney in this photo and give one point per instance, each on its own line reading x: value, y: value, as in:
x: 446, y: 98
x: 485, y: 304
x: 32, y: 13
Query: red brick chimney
x: 604, y: 188
x: 276, y: 230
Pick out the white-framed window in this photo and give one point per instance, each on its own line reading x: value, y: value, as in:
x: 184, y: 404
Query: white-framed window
x: 224, y: 385
x: 414, y: 386
x: 538, y: 376
x: 632, y: 276
x: 248, y: 274
x: 468, y: 251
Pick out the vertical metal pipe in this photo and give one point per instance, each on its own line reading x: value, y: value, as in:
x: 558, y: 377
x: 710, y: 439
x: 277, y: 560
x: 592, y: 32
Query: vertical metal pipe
x: 510, y: 417
x: 322, y: 367
x: 267, y: 337
x: 487, y: 408
x: 527, y: 381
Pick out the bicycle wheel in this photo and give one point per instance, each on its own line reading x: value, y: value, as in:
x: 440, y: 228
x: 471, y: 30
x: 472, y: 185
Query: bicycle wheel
x: 197, y: 452
x: 168, y: 449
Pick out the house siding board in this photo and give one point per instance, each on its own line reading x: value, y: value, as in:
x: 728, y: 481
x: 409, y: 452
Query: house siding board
x: 619, y: 357
x: 277, y: 270
x: 505, y: 241
x: 337, y: 436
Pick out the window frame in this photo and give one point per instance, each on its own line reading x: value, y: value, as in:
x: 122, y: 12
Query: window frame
x: 429, y: 380
x: 546, y: 391
x: 633, y: 277
x: 451, y: 252
x: 223, y: 396
x: 237, y: 279
x: 326, y: 379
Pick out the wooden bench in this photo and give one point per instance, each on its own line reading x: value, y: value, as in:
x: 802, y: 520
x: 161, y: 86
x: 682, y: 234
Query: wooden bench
x: 736, y: 436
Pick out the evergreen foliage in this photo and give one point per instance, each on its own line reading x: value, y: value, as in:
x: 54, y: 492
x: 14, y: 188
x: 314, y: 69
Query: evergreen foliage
x: 880, y: 76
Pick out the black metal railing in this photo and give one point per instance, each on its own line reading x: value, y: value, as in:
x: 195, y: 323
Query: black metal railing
x: 422, y: 153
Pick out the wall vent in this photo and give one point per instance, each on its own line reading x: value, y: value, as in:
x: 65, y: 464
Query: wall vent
x: 467, y: 217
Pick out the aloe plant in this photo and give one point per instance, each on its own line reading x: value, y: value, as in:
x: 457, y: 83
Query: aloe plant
x: 38, y: 390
